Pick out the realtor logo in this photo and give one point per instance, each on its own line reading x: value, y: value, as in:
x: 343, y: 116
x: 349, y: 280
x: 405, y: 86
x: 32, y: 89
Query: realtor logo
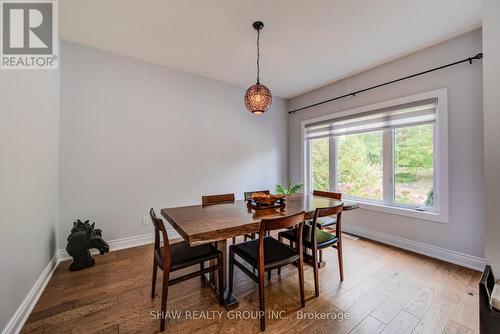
x: 29, y: 34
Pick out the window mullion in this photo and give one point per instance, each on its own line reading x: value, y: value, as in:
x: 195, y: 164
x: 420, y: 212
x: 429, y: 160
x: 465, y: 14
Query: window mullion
x: 333, y: 164
x: 388, y: 166
x: 308, y: 162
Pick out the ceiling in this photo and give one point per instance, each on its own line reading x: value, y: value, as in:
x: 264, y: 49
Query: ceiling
x: 304, y: 44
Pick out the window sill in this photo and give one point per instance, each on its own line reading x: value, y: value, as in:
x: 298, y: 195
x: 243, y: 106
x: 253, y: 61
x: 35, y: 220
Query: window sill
x: 424, y: 215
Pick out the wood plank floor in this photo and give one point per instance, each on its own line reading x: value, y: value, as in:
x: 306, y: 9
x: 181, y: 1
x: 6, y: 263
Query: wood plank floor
x: 386, y: 290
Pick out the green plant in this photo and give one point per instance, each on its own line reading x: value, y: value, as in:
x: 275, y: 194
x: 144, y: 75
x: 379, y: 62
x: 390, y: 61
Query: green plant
x: 291, y: 189
x: 429, y: 201
x: 406, y: 177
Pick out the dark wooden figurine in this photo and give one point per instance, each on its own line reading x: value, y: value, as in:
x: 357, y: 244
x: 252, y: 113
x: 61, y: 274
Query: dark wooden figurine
x: 84, y: 236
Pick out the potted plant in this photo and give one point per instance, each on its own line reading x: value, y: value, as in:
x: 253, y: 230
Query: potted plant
x: 291, y: 189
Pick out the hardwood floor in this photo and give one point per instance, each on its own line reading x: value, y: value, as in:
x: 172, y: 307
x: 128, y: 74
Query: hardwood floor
x: 386, y: 290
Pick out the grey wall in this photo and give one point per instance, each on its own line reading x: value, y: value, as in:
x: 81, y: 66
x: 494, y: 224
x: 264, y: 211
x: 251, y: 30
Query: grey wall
x: 29, y: 174
x: 491, y: 66
x: 136, y: 135
x: 465, y: 231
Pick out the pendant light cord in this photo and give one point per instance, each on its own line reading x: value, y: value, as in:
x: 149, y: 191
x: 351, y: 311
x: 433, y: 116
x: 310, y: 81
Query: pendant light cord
x: 258, y: 57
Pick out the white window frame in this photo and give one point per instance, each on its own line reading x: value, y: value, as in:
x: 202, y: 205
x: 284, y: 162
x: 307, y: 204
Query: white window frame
x: 441, y: 174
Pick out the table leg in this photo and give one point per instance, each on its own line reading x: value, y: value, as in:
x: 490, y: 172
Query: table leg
x: 230, y: 299
x: 308, y: 260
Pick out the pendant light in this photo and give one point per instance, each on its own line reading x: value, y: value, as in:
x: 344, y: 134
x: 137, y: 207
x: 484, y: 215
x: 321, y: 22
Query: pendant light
x: 258, y: 97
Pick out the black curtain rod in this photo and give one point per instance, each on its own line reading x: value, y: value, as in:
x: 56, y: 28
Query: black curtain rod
x: 353, y: 94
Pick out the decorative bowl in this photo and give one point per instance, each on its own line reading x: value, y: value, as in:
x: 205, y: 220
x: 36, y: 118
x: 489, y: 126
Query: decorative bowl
x: 267, y: 199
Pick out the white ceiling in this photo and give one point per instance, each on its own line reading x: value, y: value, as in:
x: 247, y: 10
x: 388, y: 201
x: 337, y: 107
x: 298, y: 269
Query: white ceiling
x: 305, y: 43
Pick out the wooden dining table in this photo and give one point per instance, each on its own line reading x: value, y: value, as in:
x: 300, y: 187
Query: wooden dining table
x: 217, y: 223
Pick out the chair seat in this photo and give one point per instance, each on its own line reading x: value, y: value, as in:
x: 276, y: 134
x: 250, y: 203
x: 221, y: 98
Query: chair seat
x: 323, y: 239
x: 276, y: 254
x: 326, y: 221
x: 182, y: 255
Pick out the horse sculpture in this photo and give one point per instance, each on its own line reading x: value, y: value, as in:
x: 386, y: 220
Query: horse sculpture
x: 84, y: 236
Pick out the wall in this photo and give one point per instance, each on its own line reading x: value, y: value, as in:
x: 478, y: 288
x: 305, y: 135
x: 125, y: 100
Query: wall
x: 491, y: 80
x: 135, y: 135
x: 29, y: 174
x: 465, y: 231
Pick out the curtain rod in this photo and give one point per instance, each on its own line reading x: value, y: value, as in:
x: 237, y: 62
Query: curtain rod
x: 353, y: 94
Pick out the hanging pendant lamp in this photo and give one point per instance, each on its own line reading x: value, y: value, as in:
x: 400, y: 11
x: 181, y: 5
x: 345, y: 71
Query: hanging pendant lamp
x: 258, y: 97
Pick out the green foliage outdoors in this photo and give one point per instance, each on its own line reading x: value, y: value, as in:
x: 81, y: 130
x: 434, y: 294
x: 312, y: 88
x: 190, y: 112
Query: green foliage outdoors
x: 414, y: 164
x: 320, y: 164
x: 360, y: 164
x: 406, y: 177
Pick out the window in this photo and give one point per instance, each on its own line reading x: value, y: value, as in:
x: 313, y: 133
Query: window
x: 385, y: 155
x: 414, y: 165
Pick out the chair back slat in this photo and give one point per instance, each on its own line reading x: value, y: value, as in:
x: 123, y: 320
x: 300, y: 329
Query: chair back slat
x: 328, y: 194
x: 217, y: 199
x: 160, y: 228
x: 248, y: 194
x: 324, y: 212
x: 270, y: 224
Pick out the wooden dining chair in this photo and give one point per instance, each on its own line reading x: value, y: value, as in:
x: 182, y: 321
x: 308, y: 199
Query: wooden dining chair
x: 248, y: 195
x: 217, y: 199
x: 316, y: 239
x: 267, y: 253
x: 326, y: 221
x: 177, y: 256
x: 208, y: 200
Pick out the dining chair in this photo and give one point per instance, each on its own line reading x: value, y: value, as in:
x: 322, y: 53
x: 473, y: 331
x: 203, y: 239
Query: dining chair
x: 267, y: 253
x: 208, y: 200
x: 217, y: 199
x: 316, y: 239
x: 326, y: 221
x: 172, y: 257
x: 248, y: 195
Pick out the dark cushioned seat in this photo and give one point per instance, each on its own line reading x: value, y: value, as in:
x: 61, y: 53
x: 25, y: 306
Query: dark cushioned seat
x: 323, y: 239
x: 325, y: 221
x: 182, y: 255
x: 276, y: 254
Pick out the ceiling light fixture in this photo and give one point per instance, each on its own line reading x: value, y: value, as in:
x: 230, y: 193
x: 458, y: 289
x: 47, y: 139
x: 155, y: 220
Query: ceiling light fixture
x: 258, y: 97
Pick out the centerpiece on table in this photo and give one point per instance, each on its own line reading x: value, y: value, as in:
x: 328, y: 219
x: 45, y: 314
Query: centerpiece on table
x: 266, y: 201
x: 260, y: 200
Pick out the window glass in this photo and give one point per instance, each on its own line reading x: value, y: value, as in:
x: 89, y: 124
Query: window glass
x: 359, y: 164
x: 414, y: 165
x: 320, y: 163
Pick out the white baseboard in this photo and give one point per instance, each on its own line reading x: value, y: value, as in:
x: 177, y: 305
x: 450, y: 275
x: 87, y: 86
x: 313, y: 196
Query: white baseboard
x: 16, y: 323
x: 461, y: 259
x: 115, y: 245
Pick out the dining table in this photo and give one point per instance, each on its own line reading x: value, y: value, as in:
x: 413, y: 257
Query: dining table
x: 198, y: 224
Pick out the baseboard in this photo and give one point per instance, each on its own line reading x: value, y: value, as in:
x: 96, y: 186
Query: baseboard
x: 115, y: 245
x: 464, y: 260
x: 22, y: 313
